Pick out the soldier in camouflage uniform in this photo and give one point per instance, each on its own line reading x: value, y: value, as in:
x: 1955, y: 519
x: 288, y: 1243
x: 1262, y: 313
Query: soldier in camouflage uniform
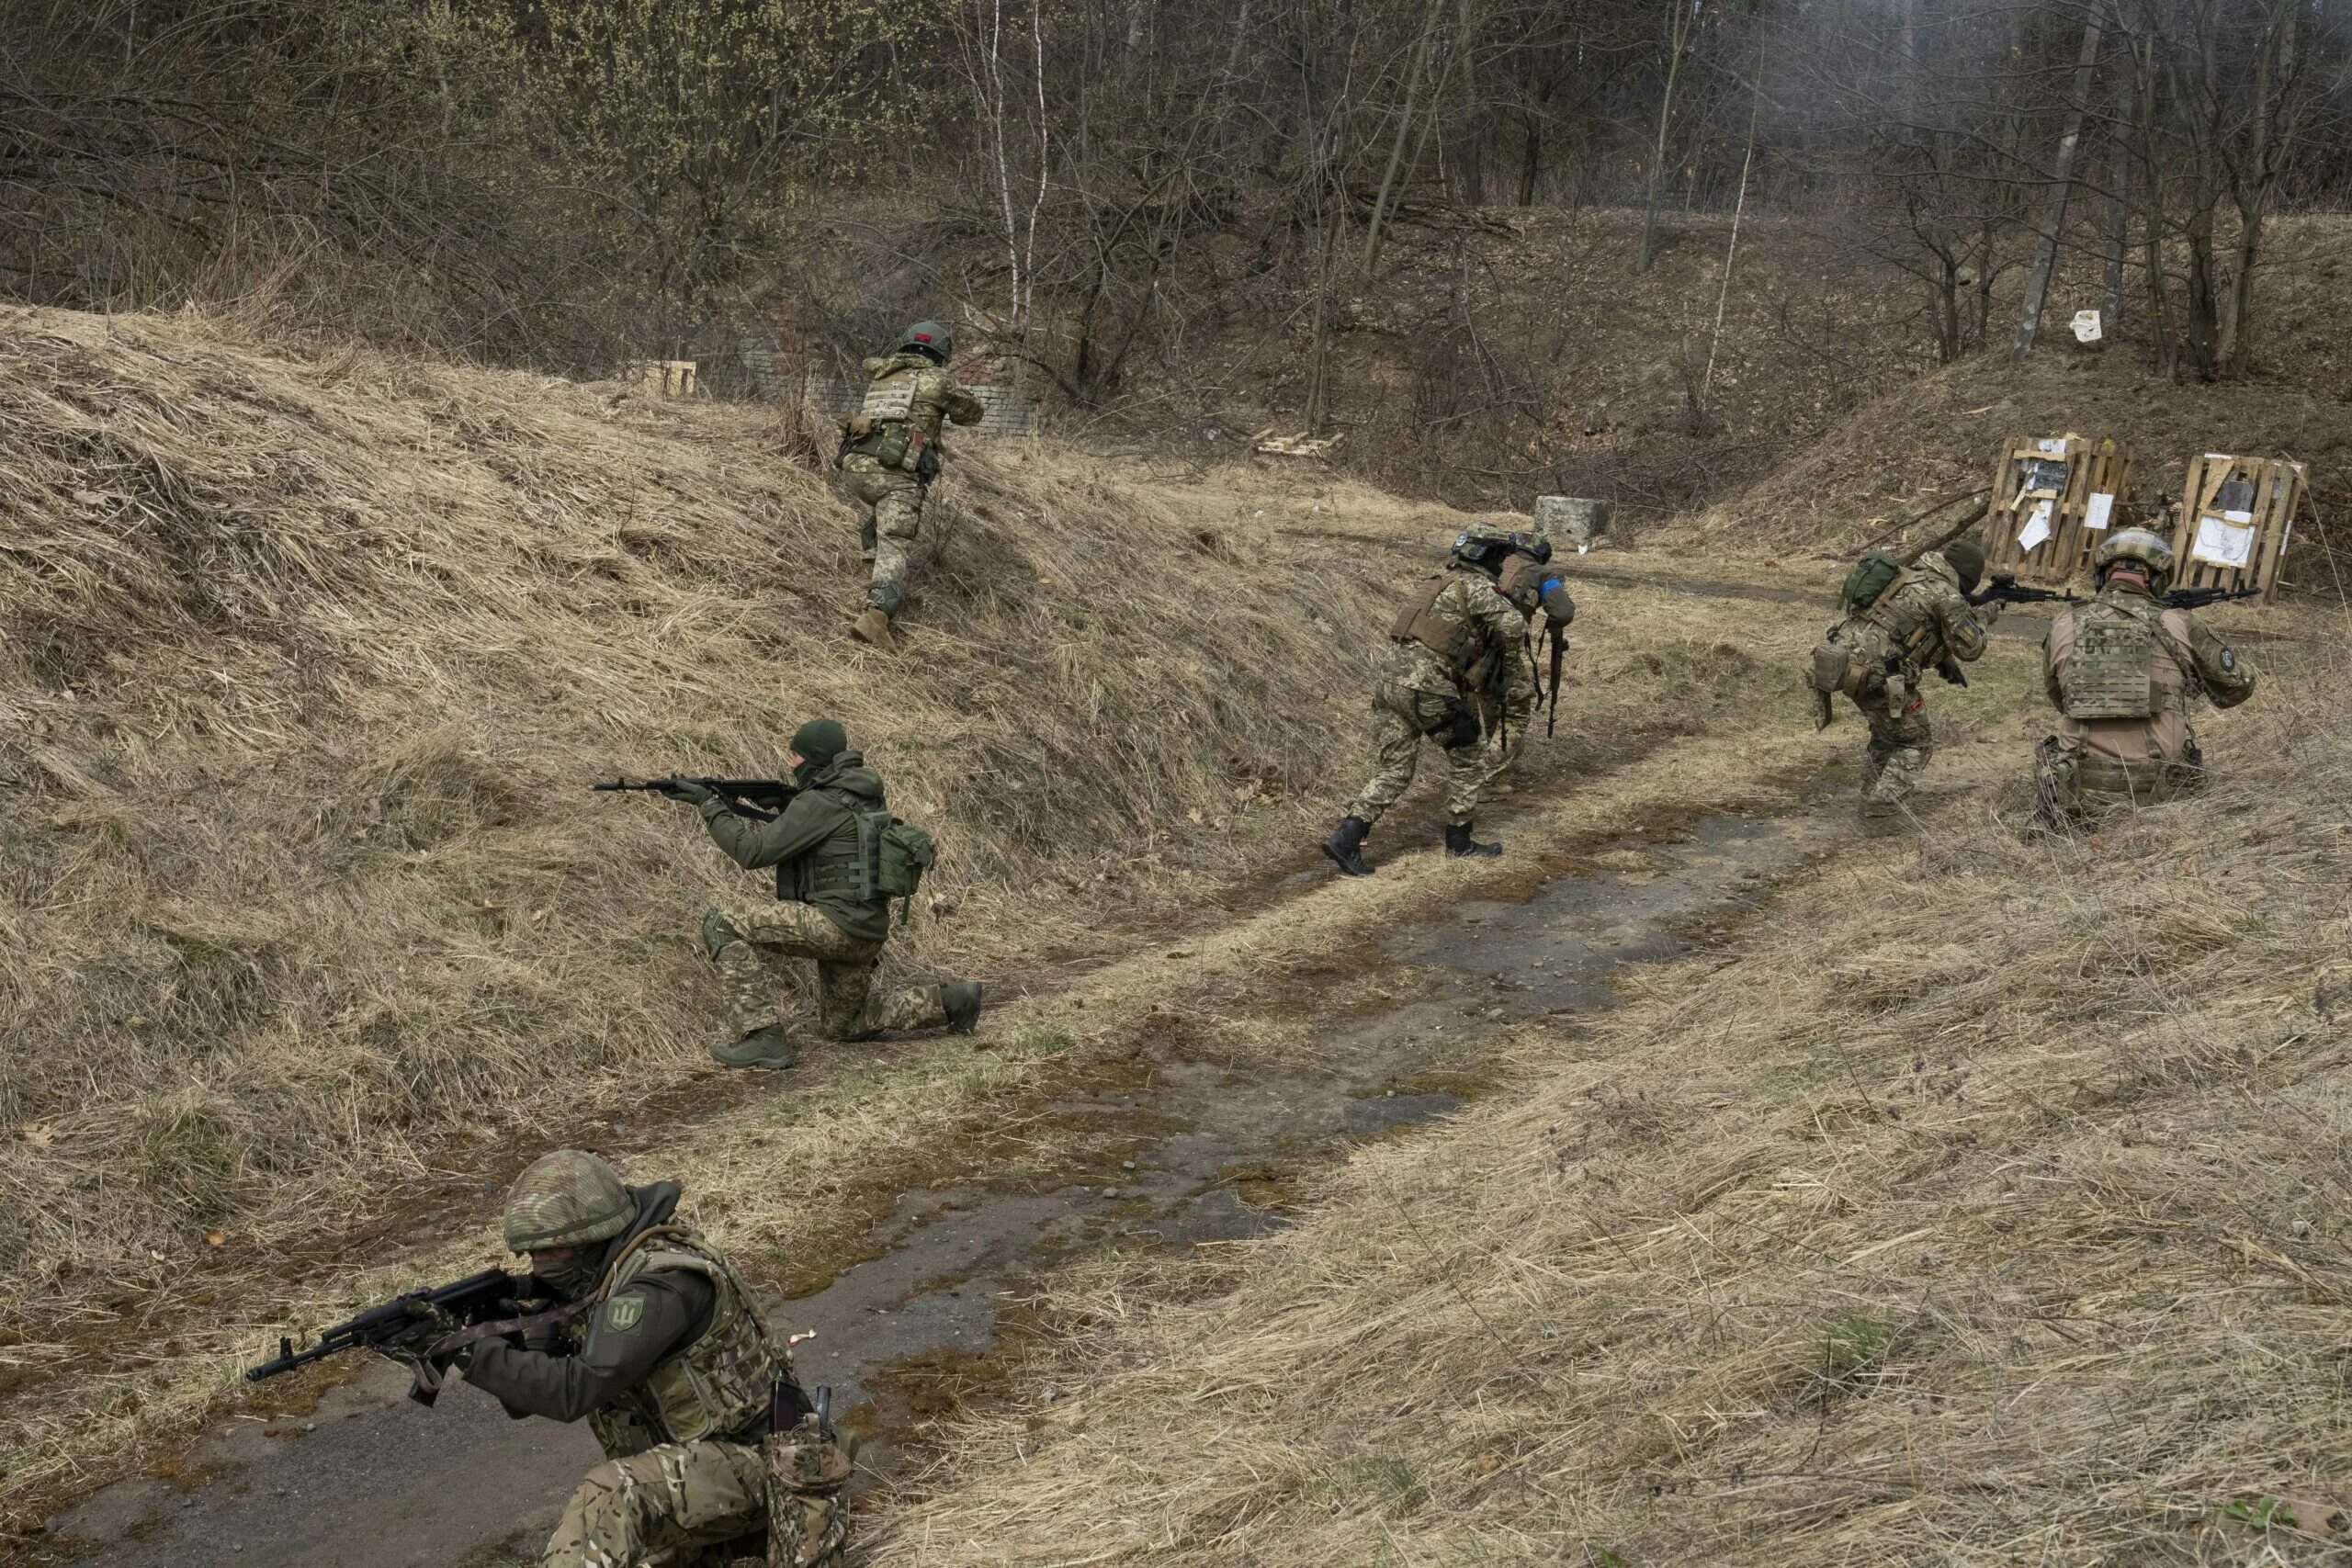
x: 1922, y: 621
x: 1458, y: 647
x: 817, y: 912
x: 889, y: 455
x: 663, y: 1353
x: 2122, y: 671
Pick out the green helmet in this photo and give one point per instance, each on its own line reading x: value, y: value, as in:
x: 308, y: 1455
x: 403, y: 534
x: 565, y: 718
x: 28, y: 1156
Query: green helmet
x: 2135, y: 545
x: 935, y: 337
x: 1966, y: 557
x: 567, y: 1199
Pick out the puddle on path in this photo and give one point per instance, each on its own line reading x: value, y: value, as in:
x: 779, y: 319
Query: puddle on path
x: 371, y: 1480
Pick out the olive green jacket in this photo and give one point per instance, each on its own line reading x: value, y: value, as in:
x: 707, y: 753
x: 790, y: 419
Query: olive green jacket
x: 813, y: 845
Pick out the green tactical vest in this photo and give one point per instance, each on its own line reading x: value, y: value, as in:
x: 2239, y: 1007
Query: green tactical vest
x: 715, y: 1387
x: 835, y: 868
x: 1461, y: 644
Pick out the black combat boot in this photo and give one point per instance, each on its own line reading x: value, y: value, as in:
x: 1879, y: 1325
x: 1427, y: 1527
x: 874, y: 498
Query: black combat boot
x: 1459, y: 843
x: 1345, y: 846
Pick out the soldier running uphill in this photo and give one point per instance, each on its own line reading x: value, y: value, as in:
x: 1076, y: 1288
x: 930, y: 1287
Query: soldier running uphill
x: 833, y: 848
x: 2122, y: 670
x: 1903, y: 621
x: 888, y: 457
x: 1459, y: 647
x: 662, y: 1351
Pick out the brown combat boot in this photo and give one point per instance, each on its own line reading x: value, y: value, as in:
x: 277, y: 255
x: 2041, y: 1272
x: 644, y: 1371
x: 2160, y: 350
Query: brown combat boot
x: 874, y: 626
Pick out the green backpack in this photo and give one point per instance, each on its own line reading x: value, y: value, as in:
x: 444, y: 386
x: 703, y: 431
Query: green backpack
x: 891, y: 858
x: 1872, y: 577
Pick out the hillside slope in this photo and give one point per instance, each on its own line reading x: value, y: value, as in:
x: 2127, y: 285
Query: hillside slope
x: 309, y: 664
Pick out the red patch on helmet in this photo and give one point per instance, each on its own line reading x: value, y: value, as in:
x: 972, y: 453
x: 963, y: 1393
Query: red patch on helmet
x: 922, y: 337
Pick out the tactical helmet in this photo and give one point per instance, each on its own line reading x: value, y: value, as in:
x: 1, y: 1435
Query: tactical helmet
x: 937, y: 337
x: 1966, y: 557
x: 2138, y: 545
x: 567, y: 1199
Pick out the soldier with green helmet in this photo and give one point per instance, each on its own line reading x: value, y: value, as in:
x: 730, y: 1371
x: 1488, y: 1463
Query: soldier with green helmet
x: 1918, y: 620
x: 664, y: 1354
x: 822, y: 910
x: 2122, y: 670
x: 889, y: 455
x: 1458, y: 668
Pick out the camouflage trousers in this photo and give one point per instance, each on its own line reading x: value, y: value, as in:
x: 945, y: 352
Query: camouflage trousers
x: 808, y: 1516
x: 893, y: 502
x: 2069, y: 788
x: 1401, y: 719
x: 774, y: 933
x: 673, y: 1507
x: 1901, y: 743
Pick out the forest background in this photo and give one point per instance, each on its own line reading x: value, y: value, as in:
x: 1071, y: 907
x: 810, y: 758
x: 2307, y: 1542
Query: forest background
x: 1432, y: 225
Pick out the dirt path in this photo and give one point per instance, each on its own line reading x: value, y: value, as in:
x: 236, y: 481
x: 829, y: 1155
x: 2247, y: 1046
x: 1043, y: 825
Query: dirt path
x: 1210, y: 1142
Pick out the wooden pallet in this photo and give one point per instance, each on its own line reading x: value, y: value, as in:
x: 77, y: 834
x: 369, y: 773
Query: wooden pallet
x: 2259, y: 523
x: 2079, y: 486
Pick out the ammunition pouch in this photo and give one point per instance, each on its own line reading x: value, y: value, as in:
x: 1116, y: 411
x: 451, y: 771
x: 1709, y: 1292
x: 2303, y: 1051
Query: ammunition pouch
x: 1834, y: 670
x: 1457, y: 726
x: 885, y: 441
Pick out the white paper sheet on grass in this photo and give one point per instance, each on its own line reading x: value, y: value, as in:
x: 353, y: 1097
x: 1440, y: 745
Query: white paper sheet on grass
x: 2097, y: 510
x: 2222, y: 542
x: 2036, y: 527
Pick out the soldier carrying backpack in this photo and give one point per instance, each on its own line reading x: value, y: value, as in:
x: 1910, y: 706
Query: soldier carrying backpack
x: 1901, y: 622
x: 840, y: 859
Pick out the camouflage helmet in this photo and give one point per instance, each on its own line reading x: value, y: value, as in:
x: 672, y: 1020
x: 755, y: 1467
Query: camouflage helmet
x: 567, y: 1199
x: 938, y: 337
x: 2137, y: 544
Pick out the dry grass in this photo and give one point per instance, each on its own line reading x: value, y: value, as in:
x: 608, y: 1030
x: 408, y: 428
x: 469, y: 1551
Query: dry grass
x: 308, y: 665
x: 1982, y: 1206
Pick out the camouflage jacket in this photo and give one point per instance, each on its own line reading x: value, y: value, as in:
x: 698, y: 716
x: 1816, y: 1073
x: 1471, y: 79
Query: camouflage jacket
x: 936, y: 393
x: 1467, y: 640
x: 2185, y: 658
x: 1919, y: 621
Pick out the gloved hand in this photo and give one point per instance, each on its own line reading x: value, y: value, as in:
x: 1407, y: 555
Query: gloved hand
x: 691, y: 793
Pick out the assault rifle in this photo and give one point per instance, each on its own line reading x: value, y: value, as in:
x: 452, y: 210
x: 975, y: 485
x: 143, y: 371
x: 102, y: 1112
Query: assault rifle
x: 409, y: 1328
x: 762, y: 800
x: 2008, y: 590
x: 2198, y: 598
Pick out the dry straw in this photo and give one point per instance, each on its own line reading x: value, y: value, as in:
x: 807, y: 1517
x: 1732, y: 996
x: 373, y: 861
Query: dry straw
x: 1985, y: 1205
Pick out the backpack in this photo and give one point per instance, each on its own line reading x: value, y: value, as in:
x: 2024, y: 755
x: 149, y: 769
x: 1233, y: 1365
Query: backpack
x: 1868, y: 582
x: 891, y: 858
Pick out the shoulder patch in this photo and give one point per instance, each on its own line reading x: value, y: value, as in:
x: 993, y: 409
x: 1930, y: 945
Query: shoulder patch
x: 2229, y: 657
x: 623, y: 1313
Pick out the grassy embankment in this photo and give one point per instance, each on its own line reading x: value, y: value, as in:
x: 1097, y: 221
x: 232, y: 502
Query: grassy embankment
x: 306, y: 905
x: 1983, y: 1203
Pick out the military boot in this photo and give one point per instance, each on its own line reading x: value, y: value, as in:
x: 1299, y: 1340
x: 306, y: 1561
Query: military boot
x: 770, y: 1048
x: 1459, y: 843
x: 716, y: 932
x: 962, y: 1001
x: 1345, y: 846
x: 874, y: 626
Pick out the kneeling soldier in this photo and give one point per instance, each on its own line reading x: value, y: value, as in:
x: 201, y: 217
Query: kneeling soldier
x: 2122, y: 670
x: 663, y: 1353
x: 824, y: 909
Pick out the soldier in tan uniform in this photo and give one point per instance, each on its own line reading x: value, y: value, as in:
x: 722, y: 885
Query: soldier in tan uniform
x: 664, y: 1355
x: 2122, y: 670
x: 1458, y: 647
x: 1921, y: 621
x: 889, y: 455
